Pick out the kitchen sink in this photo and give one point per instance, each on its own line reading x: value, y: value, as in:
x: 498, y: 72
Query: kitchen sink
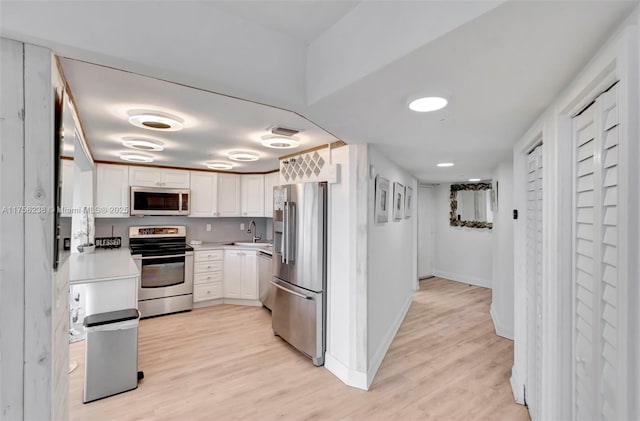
x: 248, y: 244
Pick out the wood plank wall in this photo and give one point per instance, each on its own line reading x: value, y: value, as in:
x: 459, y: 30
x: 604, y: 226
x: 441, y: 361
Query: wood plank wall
x: 34, y: 357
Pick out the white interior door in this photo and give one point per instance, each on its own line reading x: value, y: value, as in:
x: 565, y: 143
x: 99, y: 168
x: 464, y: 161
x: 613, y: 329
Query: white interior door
x: 534, y: 280
x: 426, y: 239
x: 598, y: 341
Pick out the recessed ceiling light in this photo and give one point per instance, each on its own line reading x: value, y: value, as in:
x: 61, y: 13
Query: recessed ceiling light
x: 155, y: 121
x: 219, y: 165
x: 474, y: 179
x: 142, y: 144
x: 243, y: 156
x: 136, y: 157
x: 279, y: 142
x: 431, y: 103
x: 446, y: 164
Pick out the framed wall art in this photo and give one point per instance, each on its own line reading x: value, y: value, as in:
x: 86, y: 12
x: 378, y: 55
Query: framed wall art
x: 398, y: 201
x: 408, y: 202
x: 382, y: 200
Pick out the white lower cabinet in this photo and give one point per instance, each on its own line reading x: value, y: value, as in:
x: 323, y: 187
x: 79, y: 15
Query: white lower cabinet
x: 240, y: 275
x: 207, y: 275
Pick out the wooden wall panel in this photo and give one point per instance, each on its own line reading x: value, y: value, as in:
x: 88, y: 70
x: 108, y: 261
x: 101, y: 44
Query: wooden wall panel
x: 11, y: 229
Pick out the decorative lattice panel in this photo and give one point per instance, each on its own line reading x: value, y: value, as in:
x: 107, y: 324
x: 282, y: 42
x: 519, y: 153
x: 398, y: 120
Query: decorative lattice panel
x: 302, y: 167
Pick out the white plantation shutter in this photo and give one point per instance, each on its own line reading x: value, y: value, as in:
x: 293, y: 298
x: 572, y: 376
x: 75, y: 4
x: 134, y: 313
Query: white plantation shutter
x: 595, y: 297
x: 534, y: 280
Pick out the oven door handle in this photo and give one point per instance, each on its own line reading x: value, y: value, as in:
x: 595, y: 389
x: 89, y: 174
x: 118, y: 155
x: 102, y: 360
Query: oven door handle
x: 161, y: 257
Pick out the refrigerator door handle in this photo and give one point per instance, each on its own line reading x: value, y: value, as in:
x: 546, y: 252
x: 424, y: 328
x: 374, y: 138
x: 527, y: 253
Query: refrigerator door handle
x: 291, y: 231
x: 297, y: 294
x: 285, y: 233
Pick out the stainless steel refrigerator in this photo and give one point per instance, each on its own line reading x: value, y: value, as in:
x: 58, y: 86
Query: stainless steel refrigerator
x: 300, y: 266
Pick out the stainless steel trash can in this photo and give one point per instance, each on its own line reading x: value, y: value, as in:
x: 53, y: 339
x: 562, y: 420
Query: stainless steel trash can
x: 111, y: 353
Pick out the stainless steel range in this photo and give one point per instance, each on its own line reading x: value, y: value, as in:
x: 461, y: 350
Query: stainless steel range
x: 165, y: 262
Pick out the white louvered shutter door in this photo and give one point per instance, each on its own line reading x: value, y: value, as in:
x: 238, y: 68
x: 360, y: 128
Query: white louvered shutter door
x: 610, y: 310
x: 584, y: 302
x: 534, y: 280
x: 596, y: 311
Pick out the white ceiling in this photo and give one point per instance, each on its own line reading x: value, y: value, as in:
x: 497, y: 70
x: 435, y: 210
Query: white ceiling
x: 499, y: 72
x: 349, y: 67
x: 213, y: 124
x: 304, y: 20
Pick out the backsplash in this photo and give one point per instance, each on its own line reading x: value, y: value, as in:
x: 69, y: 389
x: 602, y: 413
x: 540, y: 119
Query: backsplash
x: 222, y: 229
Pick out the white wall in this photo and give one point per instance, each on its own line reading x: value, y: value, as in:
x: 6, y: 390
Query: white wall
x: 502, y: 280
x: 346, y: 295
x: 392, y: 270
x: 461, y: 254
x: 426, y: 234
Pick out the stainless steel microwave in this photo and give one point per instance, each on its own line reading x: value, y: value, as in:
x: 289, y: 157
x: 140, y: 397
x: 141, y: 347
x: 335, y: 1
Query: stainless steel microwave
x: 159, y: 201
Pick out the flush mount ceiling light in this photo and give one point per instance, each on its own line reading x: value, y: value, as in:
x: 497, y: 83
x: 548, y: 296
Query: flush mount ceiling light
x: 243, y: 156
x: 431, y: 103
x: 219, y: 165
x: 279, y: 142
x: 136, y: 157
x: 474, y: 179
x: 445, y: 164
x: 155, y: 121
x: 142, y: 144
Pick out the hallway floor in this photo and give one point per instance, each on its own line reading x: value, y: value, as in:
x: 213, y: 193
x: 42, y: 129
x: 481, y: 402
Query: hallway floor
x: 224, y: 363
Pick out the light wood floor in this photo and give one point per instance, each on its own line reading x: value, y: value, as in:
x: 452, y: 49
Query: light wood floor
x: 446, y: 363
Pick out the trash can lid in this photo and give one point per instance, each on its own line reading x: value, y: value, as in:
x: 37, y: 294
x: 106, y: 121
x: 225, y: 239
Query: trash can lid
x: 99, y: 319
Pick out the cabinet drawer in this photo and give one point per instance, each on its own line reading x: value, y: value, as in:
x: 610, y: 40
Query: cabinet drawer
x: 208, y: 255
x: 207, y: 277
x: 207, y: 291
x: 207, y: 266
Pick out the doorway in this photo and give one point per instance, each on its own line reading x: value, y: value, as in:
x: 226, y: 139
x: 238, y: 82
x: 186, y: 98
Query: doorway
x: 426, y: 240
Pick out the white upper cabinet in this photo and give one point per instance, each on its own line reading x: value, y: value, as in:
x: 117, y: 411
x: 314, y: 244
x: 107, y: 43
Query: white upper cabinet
x: 112, y: 191
x: 228, y: 194
x: 158, y: 177
x: 175, y: 179
x: 270, y: 180
x: 252, y: 195
x: 204, y: 194
x: 67, y: 187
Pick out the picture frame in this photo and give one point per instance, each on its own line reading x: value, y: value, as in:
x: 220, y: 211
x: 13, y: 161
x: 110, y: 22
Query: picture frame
x: 381, y: 204
x: 494, y: 198
x: 408, y: 202
x: 398, y: 201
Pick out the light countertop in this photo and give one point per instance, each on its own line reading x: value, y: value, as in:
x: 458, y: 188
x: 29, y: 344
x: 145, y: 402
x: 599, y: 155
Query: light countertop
x: 103, y: 265
x: 266, y: 248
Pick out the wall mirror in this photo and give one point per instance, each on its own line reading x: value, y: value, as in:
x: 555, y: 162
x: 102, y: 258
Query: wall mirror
x: 471, y: 205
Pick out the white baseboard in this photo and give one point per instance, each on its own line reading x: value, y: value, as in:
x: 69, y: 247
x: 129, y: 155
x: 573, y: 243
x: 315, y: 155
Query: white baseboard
x: 234, y: 301
x: 378, y: 356
x: 348, y: 376
x: 254, y: 303
x: 501, y: 330
x: 465, y: 279
x: 208, y: 303
x: 517, y: 386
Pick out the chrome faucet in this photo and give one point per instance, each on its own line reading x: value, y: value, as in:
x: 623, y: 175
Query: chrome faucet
x: 255, y: 237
